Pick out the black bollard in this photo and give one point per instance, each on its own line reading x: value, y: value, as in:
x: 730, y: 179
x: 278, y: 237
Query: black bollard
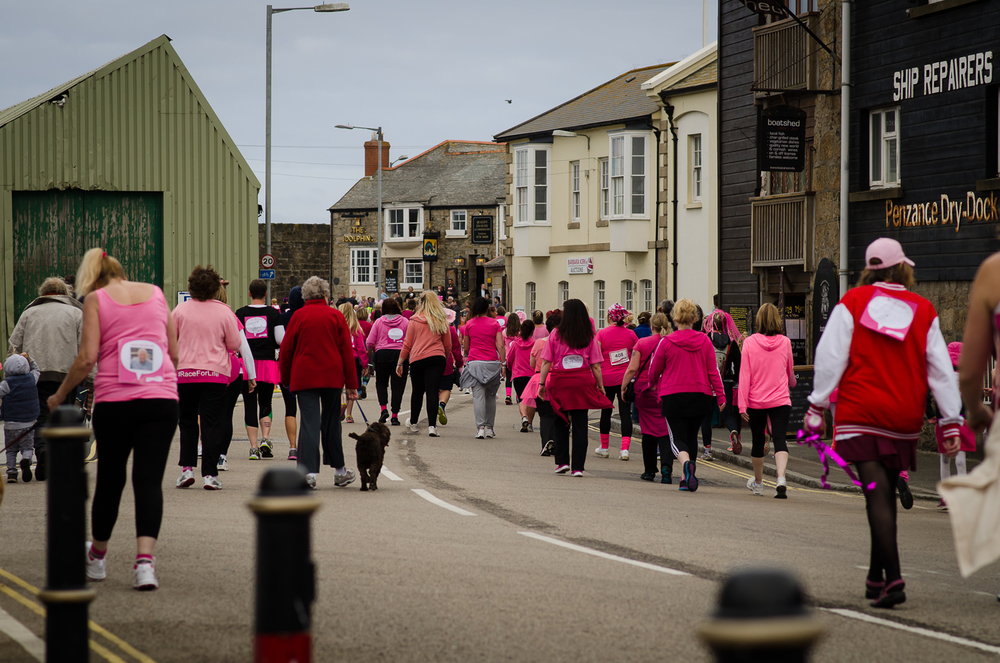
x: 66, y: 595
x: 761, y: 616
x: 285, y: 571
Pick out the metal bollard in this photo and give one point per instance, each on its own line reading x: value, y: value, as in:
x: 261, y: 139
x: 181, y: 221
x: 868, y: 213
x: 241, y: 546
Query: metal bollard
x: 66, y: 595
x: 761, y: 617
x: 285, y: 571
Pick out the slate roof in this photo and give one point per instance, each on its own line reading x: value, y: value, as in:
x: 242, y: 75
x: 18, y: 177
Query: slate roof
x: 707, y: 75
x: 453, y: 173
x: 613, y: 102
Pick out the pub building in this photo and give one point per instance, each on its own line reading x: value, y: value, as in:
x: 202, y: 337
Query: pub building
x: 924, y: 141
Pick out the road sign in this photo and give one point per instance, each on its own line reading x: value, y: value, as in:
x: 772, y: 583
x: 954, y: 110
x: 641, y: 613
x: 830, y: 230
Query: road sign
x: 267, y: 262
x: 267, y: 274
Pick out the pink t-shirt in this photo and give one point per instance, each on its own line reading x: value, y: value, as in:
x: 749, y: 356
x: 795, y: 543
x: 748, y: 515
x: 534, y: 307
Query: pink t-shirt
x: 616, y: 350
x: 482, y: 333
x: 645, y: 347
x: 564, y: 357
x: 133, y: 361
x: 536, y: 354
x: 540, y: 332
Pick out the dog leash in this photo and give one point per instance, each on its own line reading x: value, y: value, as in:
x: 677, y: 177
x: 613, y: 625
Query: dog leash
x: 362, y: 412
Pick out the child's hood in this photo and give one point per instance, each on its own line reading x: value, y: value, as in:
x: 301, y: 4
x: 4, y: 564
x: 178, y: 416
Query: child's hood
x: 16, y: 365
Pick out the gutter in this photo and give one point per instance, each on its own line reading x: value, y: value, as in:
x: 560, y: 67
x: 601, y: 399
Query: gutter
x: 845, y: 139
x: 673, y: 132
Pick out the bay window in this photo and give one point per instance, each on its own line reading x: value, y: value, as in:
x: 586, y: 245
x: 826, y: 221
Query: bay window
x: 531, y: 185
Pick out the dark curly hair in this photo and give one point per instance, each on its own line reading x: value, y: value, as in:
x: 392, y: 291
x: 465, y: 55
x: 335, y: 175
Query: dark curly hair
x: 203, y: 283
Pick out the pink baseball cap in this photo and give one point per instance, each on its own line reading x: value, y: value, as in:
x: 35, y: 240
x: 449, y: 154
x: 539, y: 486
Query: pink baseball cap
x: 885, y: 252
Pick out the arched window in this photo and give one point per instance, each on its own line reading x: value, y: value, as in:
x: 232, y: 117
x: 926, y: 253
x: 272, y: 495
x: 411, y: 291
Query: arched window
x: 562, y: 293
x: 529, y: 297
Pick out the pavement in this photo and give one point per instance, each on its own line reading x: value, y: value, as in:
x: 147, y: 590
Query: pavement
x: 474, y: 550
x: 805, y: 468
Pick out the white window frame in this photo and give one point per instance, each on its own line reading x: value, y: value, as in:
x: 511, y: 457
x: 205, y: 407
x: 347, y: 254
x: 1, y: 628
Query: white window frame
x: 604, y: 169
x: 530, y: 297
x: 562, y: 293
x: 532, y: 185
x: 624, y: 175
x: 628, y: 295
x: 371, y: 267
x: 574, y: 187
x: 407, y: 264
x: 600, y: 303
x: 647, y: 295
x: 406, y: 214
x: 882, y: 148
x: 696, y: 183
x: 459, y: 223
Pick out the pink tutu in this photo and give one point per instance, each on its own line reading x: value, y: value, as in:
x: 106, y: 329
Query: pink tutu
x: 530, y: 391
x: 267, y: 371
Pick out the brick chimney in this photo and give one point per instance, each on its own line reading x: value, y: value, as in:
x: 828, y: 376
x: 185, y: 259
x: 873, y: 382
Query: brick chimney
x: 371, y: 156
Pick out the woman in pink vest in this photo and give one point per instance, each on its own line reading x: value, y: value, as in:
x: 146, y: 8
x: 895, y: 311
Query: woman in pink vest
x: 129, y: 334
x: 616, y: 341
x: 883, y: 347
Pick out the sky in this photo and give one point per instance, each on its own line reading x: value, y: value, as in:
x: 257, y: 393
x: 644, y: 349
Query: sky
x: 424, y: 71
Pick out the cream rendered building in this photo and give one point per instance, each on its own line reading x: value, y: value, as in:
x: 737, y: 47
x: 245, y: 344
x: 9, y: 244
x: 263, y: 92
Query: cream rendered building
x: 582, y: 201
x: 688, y: 121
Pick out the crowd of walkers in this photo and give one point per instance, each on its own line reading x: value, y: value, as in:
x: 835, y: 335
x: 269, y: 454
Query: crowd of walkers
x: 154, y: 371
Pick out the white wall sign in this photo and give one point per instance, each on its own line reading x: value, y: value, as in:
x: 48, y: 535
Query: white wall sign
x: 182, y: 296
x: 579, y: 265
x: 946, y: 75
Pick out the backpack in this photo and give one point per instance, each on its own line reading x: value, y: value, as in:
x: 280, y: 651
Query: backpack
x: 721, y: 344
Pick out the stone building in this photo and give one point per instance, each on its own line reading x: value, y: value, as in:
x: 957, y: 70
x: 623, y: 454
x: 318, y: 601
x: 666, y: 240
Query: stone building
x: 441, y: 219
x: 300, y: 250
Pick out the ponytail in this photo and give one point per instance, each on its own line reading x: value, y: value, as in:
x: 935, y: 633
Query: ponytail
x: 96, y: 269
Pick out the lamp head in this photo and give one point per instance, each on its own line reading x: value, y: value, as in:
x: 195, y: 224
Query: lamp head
x: 345, y: 126
x: 332, y: 7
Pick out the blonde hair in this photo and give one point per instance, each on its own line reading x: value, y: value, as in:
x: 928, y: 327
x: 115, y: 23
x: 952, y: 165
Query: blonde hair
x: 768, y: 321
x: 685, y: 312
x: 433, y: 312
x: 352, y: 318
x: 659, y: 322
x: 221, y: 295
x: 96, y: 269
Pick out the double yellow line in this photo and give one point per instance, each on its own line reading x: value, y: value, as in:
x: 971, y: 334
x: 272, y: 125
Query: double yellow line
x: 98, y: 648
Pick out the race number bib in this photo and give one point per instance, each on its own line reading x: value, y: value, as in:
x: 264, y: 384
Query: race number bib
x: 889, y: 316
x: 618, y: 357
x: 140, y: 361
x: 572, y: 361
x: 256, y: 327
x: 395, y: 335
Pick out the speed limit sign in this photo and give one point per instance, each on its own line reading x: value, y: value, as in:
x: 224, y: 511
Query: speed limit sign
x: 267, y: 261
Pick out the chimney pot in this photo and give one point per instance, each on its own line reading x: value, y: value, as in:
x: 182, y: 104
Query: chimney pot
x: 371, y: 156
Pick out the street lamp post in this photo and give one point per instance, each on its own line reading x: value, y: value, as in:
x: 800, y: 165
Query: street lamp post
x: 334, y: 7
x: 378, y: 250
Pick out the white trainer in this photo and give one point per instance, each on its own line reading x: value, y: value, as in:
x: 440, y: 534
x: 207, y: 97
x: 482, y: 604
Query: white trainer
x: 223, y: 463
x: 601, y: 452
x: 432, y: 431
x: 623, y: 455
x: 410, y: 428
x: 186, y: 479
x: 212, y: 483
x: 781, y: 490
x: 145, y: 577
x: 311, y: 480
x: 481, y: 434
x: 95, y: 567
x: 756, y: 488
x: 490, y: 432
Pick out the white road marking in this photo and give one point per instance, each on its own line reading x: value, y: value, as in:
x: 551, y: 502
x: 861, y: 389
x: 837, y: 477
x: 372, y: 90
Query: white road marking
x: 604, y: 555
x: 392, y: 477
x: 441, y: 503
x: 22, y: 635
x: 860, y: 616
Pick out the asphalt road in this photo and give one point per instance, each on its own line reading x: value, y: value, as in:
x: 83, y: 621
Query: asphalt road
x: 403, y: 578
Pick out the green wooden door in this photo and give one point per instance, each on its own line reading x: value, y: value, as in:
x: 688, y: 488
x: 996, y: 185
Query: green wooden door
x: 53, y: 229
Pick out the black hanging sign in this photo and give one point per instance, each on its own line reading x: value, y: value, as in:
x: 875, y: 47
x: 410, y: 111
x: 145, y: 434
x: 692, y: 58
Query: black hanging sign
x: 392, y: 280
x: 783, y: 139
x: 776, y: 8
x: 482, y: 230
x: 826, y: 294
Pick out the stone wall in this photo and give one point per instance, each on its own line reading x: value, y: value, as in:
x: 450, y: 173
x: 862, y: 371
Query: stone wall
x: 300, y: 250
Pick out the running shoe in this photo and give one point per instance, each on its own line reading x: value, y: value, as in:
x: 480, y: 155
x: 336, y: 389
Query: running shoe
x: 577, y: 473
x: 344, y: 479
x: 40, y: 468
x: 623, y: 455
x: 648, y: 476
x: 905, y: 499
x: 255, y: 454
x: 394, y: 421
x: 432, y: 432
x: 781, y: 490
x: 666, y: 478
x: 212, y: 483
x: 873, y: 589
x: 767, y: 444
x: 199, y: 450
x: 507, y: 401
x: 547, y: 448
x: 11, y: 476
x: 95, y: 567
x: 706, y: 454
x: 601, y: 452
x: 349, y: 419
x: 186, y: 479
x: 442, y: 417
x: 682, y: 484
x: 410, y: 428
x: 525, y: 426
x: 562, y: 469
x: 691, y: 479
x: 223, y: 463
x: 293, y: 454
x: 735, y: 446
x: 343, y: 411
x: 363, y: 392
x: 311, y: 481
x: 490, y: 432
x: 384, y: 417
x: 481, y: 434
x: 756, y: 488
x: 145, y: 577
x: 941, y: 506
x: 26, y: 470
x: 892, y: 595
x: 266, y: 450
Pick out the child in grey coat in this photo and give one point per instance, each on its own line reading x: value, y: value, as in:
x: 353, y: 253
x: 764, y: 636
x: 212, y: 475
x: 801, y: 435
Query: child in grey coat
x: 19, y: 411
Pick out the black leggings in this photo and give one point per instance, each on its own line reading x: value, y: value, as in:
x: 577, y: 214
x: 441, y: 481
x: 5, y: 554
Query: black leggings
x: 233, y: 392
x: 652, y: 443
x: 880, y: 504
x: 145, y: 427
x: 291, y: 406
x: 261, y: 395
x: 779, y: 426
x: 385, y: 373
x: 578, y: 421
x: 520, y: 384
x: 623, y: 412
x: 425, y: 378
x: 207, y: 401
x: 685, y: 413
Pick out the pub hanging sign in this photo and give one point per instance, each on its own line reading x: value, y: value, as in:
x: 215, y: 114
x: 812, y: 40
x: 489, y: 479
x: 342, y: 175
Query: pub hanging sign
x: 783, y: 139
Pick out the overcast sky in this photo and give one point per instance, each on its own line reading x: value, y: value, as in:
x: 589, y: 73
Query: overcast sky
x: 425, y: 71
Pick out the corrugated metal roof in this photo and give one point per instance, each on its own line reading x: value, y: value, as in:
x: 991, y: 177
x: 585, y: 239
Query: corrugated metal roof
x: 615, y: 101
x: 450, y: 174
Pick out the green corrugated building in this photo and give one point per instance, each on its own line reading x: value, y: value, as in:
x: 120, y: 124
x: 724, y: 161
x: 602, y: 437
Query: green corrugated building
x: 130, y: 157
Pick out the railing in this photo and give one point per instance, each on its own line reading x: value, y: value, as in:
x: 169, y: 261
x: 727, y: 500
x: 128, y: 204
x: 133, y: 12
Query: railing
x: 784, y: 56
x: 781, y: 230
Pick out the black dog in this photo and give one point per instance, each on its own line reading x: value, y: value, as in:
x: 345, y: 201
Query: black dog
x: 371, y: 451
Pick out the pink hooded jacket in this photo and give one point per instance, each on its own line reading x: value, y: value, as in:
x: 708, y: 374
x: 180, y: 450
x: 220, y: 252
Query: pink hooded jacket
x: 685, y: 363
x: 766, y: 374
